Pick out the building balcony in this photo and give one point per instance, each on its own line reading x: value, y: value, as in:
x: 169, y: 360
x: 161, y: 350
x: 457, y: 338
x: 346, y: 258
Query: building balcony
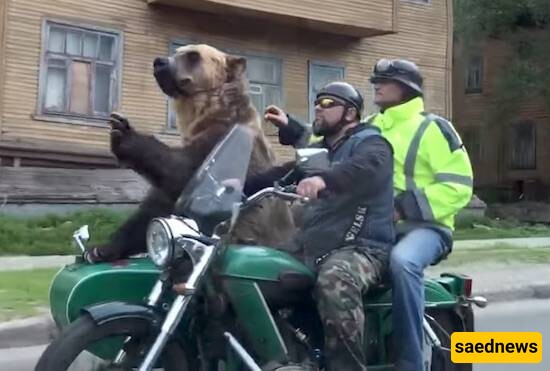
x: 358, y: 18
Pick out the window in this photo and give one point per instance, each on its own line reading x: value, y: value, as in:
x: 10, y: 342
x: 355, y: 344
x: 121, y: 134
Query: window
x: 321, y: 74
x: 474, y: 75
x: 79, y: 71
x: 265, y: 82
x: 472, y: 143
x: 522, y: 141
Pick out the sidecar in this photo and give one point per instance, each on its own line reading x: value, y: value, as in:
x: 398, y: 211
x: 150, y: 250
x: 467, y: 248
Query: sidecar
x: 79, y: 285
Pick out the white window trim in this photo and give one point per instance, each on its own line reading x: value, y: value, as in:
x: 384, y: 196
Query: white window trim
x: 420, y: 2
x: 65, y: 118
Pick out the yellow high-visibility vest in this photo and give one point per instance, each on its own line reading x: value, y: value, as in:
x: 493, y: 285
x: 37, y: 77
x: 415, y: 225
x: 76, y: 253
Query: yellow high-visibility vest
x: 429, y: 160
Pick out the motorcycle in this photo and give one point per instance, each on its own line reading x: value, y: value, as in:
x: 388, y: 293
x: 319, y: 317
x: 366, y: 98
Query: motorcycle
x: 197, y: 302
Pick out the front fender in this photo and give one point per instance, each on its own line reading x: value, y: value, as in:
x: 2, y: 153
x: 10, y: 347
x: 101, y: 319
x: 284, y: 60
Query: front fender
x: 114, y: 310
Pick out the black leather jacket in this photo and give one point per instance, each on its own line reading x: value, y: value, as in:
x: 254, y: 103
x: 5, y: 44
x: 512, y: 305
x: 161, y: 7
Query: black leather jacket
x: 358, y: 210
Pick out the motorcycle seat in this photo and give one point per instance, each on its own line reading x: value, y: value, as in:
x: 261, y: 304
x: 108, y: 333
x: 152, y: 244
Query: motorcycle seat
x: 296, y: 281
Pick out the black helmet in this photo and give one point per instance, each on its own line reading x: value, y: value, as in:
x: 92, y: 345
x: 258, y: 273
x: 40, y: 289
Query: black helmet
x: 345, y: 92
x: 401, y: 70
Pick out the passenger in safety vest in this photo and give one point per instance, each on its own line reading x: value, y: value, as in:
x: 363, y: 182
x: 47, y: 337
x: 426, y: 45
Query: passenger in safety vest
x: 432, y: 182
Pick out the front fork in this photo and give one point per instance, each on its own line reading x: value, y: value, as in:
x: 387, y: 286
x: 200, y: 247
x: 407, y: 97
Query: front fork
x: 174, y: 315
x: 152, y: 300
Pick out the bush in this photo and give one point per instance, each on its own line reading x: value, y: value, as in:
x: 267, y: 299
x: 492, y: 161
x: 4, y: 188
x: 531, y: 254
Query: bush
x: 52, y: 234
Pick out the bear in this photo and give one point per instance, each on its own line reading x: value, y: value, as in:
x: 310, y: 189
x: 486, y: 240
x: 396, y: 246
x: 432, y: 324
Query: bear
x: 209, y: 91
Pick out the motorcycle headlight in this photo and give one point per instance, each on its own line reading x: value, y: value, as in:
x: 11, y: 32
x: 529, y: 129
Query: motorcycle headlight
x: 159, y: 242
x: 168, y: 239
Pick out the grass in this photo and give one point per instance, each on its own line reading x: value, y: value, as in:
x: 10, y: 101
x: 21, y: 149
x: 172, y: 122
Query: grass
x: 52, y: 234
x: 498, y: 254
x: 24, y: 293
x: 486, y: 228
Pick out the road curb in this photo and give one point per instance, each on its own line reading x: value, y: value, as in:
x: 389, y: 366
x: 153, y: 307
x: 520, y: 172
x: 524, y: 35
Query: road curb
x: 41, y: 329
x: 533, y: 291
x: 27, y: 332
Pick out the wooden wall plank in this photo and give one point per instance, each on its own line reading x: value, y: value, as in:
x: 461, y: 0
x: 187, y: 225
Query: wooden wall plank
x: 54, y: 185
x: 422, y: 36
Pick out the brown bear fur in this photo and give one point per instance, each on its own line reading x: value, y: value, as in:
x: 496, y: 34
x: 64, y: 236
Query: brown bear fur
x: 209, y: 91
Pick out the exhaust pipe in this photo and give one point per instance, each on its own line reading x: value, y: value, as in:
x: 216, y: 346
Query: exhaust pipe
x: 479, y: 301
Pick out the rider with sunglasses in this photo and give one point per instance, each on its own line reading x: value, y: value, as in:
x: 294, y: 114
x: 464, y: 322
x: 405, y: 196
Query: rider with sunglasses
x: 347, y: 228
x: 432, y: 182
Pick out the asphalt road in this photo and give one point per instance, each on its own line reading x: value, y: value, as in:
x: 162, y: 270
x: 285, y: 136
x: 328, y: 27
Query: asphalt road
x: 530, y: 315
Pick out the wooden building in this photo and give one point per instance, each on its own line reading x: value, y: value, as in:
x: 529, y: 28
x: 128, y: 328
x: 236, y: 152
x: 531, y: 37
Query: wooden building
x: 509, y: 156
x: 65, y: 64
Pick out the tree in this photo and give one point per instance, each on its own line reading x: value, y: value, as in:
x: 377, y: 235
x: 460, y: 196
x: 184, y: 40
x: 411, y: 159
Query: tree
x: 525, y: 25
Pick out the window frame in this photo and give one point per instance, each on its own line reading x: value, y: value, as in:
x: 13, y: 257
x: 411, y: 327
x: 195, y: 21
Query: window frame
x: 422, y: 2
x: 474, y: 89
x: 475, y: 154
x: 177, y: 42
x: 311, y: 97
x: 116, y: 91
x: 512, y: 140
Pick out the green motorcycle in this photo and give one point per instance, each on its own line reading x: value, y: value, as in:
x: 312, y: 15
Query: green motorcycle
x: 199, y: 303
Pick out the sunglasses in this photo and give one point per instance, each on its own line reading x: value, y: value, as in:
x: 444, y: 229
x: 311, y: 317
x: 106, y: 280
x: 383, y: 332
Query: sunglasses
x: 326, y: 103
x: 393, y: 66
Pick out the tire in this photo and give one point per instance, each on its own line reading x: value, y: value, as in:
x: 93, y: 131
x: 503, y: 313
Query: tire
x: 79, y: 335
x: 451, y: 322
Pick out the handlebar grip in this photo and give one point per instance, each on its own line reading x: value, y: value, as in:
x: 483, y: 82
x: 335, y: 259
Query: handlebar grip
x: 290, y: 188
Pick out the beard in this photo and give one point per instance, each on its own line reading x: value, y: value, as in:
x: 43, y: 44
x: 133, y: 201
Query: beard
x: 322, y: 128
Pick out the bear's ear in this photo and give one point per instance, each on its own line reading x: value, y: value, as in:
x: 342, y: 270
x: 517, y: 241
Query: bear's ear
x: 235, y: 67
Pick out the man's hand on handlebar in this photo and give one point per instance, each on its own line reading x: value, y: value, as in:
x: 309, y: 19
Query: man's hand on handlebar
x: 310, y: 187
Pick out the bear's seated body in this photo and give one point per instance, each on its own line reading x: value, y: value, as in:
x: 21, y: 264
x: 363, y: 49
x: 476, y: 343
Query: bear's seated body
x: 209, y: 91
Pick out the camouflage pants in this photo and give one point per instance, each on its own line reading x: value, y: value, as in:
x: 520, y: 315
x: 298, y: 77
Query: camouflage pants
x: 343, y: 278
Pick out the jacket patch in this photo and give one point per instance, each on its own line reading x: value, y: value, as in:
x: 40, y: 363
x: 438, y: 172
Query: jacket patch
x: 448, y: 132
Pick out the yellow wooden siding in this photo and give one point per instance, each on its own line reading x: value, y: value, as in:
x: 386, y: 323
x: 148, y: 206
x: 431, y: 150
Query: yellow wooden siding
x: 147, y: 32
x: 353, y: 17
x: 3, y: 37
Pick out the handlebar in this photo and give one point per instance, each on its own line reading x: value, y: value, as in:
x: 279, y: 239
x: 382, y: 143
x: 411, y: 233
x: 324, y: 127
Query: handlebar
x: 286, y: 193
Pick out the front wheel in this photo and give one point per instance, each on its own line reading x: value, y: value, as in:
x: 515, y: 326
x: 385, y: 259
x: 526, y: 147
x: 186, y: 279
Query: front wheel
x: 85, y: 345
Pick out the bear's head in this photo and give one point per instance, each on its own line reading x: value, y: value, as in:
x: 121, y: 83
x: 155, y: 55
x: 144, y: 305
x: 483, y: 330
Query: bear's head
x: 197, y: 69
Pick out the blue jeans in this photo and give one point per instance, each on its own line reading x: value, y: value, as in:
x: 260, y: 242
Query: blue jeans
x: 414, y: 252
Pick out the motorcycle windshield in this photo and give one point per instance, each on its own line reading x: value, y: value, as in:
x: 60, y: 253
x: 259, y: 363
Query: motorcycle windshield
x: 218, y: 184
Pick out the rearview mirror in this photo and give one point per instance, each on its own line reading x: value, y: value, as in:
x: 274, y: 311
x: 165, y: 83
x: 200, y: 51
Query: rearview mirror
x: 80, y: 236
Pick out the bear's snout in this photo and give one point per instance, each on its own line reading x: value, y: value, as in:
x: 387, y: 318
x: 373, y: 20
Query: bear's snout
x: 161, y: 63
x: 164, y: 74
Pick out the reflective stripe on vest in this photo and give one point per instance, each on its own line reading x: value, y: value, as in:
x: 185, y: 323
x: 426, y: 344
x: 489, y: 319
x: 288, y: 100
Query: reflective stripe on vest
x: 410, y: 163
